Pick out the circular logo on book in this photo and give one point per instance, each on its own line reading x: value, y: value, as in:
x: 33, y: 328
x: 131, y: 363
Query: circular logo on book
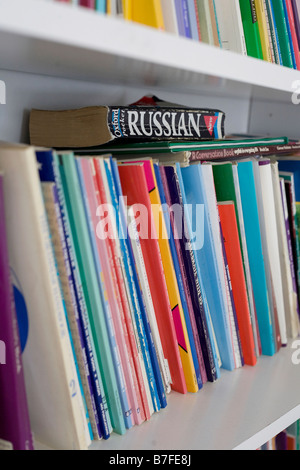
x: 21, y: 311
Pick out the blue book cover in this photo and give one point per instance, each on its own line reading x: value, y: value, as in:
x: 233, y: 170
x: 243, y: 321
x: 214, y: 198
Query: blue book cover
x: 75, y: 207
x: 255, y: 254
x: 49, y: 172
x: 189, y: 220
x: 193, y: 279
x: 186, y: 19
x: 39, y: 157
x: 206, y: 256
x: 142, y: 321
x: 106, y: 306
x: 178, y: 275
x: 193, y: 19
x: 292, y: 166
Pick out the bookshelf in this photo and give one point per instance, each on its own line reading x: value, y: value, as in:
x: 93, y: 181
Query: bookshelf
x: 53, y: 55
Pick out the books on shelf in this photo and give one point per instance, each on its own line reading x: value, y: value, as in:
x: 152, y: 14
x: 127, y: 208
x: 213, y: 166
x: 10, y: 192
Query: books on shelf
x: 156, y: 265
x: 264, y: 29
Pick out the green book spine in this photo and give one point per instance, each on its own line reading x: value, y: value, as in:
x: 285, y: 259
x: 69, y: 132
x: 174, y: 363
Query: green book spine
x: 250, y: 25
x: 79, y: 227
x: 283, y: 34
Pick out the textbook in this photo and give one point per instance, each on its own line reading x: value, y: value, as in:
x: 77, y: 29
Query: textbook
x: 283, y: 35
x: 231, y: 26
x: 15, y: 427
x: 147, y: 119
x: 56, y: 408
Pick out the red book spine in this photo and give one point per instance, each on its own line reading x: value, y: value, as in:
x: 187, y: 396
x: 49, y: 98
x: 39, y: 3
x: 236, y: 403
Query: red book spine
x: 87, y: 4
x: 135, y: 188
x: 235, y: 264
x: 289, y: 7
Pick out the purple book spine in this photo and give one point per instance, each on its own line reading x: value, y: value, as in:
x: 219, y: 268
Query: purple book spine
x: 14, y: 422
x: 297, y: 20
x: 179, y: 16
x: 289, y: 240
x: 186, y: 19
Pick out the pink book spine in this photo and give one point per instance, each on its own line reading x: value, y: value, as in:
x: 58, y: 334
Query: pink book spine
x: 289, y: 7
x: 107, y: 257
x: 185, y: 282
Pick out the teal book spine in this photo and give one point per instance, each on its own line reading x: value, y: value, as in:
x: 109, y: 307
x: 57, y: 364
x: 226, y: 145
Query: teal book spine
x: 79, y: 226
x: 101, y: 6
x: 189, y: 222
x: 205, y: 252
x: 255, y: 254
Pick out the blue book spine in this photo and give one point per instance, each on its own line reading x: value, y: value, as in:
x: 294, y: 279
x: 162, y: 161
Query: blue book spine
x: 107, y: 310
x: 216, y: 370
x: 179, y: 16
x: 290, y: 34
x: 186, y: 19
x: 205, y: 252
x: 193, y: 19
x: 49, y: 172
x: 101, y: 6
x: 84, y: 255
x: 178, y: 275
x: 145, y: 335
x: 255, y: 253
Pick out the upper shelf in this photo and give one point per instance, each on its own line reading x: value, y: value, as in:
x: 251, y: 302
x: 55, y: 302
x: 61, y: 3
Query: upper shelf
x: 55, y: 39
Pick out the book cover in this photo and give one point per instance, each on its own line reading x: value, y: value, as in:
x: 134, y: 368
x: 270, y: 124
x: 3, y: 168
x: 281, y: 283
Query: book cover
x: 190, y: 276
x: 55, y: 403
x: 109, y: 290
x: 15, y: 426
x: 255, y: 253
x: 236, y: 269
x: 250, y: 24
x: 182, y: 276
x: 147, y: 119
x: 205, y: 252
x: 169, y: 231
x: 49, y: 171
x: 140, y: 293
x: 71, y: 186
x: 170, y: 277
x: 216, y: 232
x: 283, y: 35
x: 135, y: 188
x: 268, y: 220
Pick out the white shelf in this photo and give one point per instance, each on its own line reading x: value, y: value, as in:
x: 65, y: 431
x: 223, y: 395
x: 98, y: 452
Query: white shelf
x: 242, y: 410
x: 58, y: 40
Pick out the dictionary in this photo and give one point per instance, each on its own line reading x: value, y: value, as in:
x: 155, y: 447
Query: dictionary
x: 149, y: 119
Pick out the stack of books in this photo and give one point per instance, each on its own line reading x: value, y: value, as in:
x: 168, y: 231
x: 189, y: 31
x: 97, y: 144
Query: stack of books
x: 145, y: 258
x: 264, y: 29
x: 288, y: 439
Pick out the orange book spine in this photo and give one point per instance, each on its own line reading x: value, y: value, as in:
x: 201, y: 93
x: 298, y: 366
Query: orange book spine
x: 235, y: 264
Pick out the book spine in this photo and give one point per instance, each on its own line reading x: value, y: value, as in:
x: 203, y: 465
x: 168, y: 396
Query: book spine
x: 294, y: 39
x: 275, y: 37
x: 164, y: 123
x: 297, y: 19
x: 98, y: 388
x: 283, y: 34
x: 60, y: 249
x: 263, y: 31
x: 183, y: 278
x: 116, y: 338
x: 186, y: 19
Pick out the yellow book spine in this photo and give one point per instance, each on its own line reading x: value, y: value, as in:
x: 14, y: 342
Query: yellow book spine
x: 263, y: 31
x: 148, y: 12
x: 127, y: 9
x: 172, y: 287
